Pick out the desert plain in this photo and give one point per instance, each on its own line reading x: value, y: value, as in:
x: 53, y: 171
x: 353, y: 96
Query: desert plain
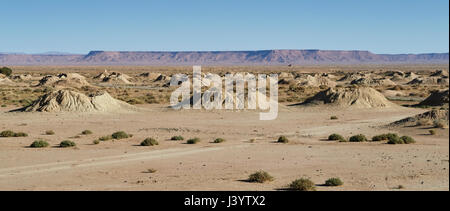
x: 314, y: 102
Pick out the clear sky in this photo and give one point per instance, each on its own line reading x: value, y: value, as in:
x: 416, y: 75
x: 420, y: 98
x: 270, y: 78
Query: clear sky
x: 380, y: 26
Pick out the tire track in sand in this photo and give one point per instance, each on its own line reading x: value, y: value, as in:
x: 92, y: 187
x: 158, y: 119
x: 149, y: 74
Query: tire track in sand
x: 108, y: 160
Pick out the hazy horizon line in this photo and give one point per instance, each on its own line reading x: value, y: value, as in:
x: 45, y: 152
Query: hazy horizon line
x: 275, y: 49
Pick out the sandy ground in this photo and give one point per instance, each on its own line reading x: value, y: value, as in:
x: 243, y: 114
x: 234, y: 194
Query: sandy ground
x: 122, y: 164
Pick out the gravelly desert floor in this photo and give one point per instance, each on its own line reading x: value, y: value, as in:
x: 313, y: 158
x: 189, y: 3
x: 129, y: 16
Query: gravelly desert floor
x: 122, y: 164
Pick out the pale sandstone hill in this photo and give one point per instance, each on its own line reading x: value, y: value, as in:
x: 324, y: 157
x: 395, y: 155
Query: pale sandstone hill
x: 71, y: 101
x: 360, y: 97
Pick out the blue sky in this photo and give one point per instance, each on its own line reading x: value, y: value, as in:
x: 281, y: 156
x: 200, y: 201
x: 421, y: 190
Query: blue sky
x: 380, y: 26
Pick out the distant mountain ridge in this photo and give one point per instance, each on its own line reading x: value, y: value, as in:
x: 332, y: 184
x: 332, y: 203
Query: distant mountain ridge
x: 263, y: 57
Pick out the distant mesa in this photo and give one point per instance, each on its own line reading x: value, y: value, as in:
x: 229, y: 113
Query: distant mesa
x: 263, y: 57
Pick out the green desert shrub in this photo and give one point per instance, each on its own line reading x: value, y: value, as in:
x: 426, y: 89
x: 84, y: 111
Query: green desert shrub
x: 401, y: 140
x: 302, y: 184
x: 333, y: 117
x: 5, y: 71
x: 86, y: 132
x: 7, y: 133
x: 391, y: 135
x: 20, y: 134
x: 432, y: 132
x: 193, y: 141
x: 379, y: 138
x: 336, y: 137
x: 120, y: 135
x: 385, y: 137
x: 260, y: 177
x: 39, y: 144
x: 400, y: 187
x: 96, y: 142
x: 49, y: 132
x: 219, y: 140
x: 177, y: 138
x: 358, y: 138
x: 151, y: 171
x: 67, y: 143
x: 283, y: 139
x: 149, y: 142
x: 395, y: 140
x: 334, y: 182
x: 408, y: 140
x: 105, y: 138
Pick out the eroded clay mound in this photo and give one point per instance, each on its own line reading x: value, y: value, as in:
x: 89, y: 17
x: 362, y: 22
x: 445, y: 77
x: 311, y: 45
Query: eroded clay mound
x: 114, y: 77
x: 64, y: 80
x: 439, y: 98
x: 359, y: 97
x: 429, y: 81
x: 373, y: 82
x: 24, y: 77
x: 440, y: 73
x: 428, y: 117
x: 316, y: 81
x: 149, y: 76
x: 71, y: 101
x: 5, y: 81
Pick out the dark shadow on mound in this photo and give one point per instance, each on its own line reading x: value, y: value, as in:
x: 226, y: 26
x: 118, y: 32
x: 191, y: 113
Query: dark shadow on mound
x: 326, y: 140
x: 308, y: 103
x: 283, y: 189
x: 17, y: 110
x: 245, y: 180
